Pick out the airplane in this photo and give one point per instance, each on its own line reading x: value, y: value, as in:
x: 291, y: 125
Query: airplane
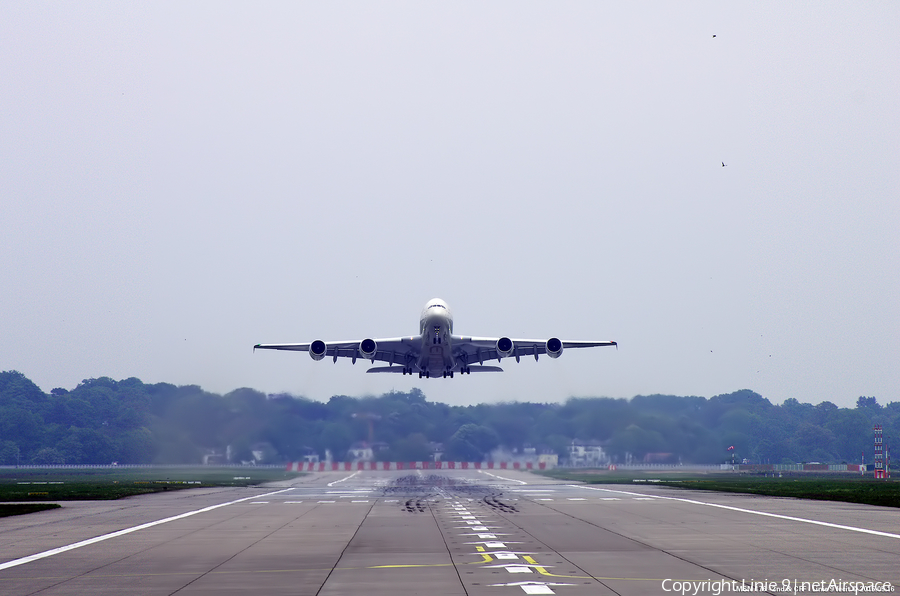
x: 436, y: 351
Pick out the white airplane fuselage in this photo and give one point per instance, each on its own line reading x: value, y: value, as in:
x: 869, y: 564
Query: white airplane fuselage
x: 436, y: 327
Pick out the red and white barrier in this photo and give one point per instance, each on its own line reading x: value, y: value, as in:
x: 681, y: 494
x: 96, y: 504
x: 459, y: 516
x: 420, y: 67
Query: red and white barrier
x: 299, y: 466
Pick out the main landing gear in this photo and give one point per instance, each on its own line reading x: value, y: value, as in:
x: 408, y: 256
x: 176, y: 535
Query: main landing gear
x: 426, y: 374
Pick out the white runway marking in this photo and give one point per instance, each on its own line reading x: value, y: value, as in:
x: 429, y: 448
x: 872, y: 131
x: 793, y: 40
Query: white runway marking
x: 342, y: 479
x: 259, y: 502
x: 502, y: 478
x: 326, y: 501
x: 576, y: 499
x: 536, y: 589
x: 359, y: 501
x: 763, y: 513
x: 289, y: 502
x: 89, y: 541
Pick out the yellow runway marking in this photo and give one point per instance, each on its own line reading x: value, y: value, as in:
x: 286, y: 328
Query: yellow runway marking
x: 198, y: 573
x: 543, y: 571
x: 397, y: 566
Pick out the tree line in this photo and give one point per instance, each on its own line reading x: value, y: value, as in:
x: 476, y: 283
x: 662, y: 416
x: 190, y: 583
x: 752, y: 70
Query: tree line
x: 102, y: 420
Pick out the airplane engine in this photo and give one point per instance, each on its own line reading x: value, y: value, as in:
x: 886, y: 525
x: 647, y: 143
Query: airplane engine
x: 554, y: 347
x: 367, y: 348
x: 317, y: 350
x: 504, y: 347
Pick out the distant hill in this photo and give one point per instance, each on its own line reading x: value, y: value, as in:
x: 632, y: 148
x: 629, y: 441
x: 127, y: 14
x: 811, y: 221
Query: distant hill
x: 102, y: 421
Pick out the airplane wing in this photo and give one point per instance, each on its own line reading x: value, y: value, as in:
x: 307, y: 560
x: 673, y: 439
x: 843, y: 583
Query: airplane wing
x: 481, y: 349
x: 393, y: 350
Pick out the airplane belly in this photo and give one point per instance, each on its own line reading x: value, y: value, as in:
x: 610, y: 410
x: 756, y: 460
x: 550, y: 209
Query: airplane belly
x: 437, y: 359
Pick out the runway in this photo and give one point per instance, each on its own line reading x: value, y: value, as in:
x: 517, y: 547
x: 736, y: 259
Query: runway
x: 447, y: 532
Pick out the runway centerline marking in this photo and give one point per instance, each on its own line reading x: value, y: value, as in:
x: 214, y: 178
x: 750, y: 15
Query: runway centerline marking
x: 101, y: 538
x: 763, y: 513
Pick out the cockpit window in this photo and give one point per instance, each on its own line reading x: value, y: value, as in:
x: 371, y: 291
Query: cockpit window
x: 438, y: 306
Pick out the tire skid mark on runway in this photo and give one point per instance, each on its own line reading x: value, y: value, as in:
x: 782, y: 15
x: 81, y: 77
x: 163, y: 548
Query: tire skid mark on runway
x: 784, y: 553
x: 741, y: 510
x: 437, y: 524
x: 344, y: 550
x: 682, y: 558
x: 101, y: 538
x: 530, y: 561
x: 246, y: 548
x: 90, y: 572
x: 650, y: 546
x: 541, y: 569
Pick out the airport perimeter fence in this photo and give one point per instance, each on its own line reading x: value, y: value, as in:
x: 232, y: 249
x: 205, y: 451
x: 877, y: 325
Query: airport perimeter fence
x: 333, y: 466
x: 796, y: 467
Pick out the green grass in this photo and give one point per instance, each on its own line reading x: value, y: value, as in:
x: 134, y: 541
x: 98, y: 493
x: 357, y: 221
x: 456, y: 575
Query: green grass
x: 23, y: 508
x: 848, y: 488
x: 115, y: 483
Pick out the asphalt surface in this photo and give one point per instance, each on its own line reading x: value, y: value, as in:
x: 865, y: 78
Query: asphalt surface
x: 447, y: 532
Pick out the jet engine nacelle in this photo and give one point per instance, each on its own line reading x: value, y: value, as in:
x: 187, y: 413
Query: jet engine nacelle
x: 367, y: 348
x: 317, y: 350
x: 504, y: 347
x: 554, y: 347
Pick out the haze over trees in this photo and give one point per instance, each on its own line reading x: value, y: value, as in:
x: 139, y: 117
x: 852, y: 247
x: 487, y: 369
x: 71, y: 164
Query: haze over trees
x: 128, y: 421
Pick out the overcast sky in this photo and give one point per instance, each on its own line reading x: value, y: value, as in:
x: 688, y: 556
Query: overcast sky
x: 182, y: 180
